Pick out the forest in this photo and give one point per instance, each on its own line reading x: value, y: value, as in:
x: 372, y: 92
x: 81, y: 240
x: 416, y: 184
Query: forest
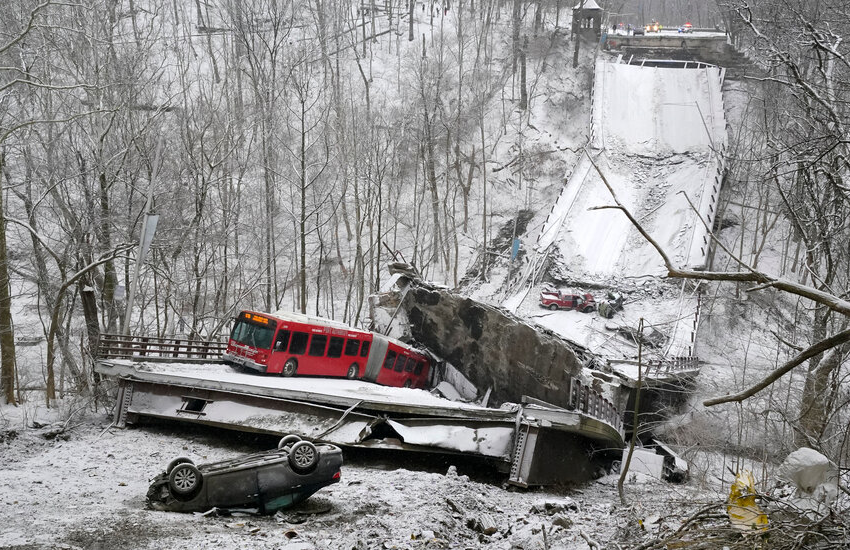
x: 289, y: 151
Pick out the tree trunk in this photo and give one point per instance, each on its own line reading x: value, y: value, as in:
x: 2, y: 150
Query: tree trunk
x: 303, y: 217
x: 7, y: 334
x: 410, y: 21
x: 523, y: 87
x: 577, y: 37
x: 110, y: 279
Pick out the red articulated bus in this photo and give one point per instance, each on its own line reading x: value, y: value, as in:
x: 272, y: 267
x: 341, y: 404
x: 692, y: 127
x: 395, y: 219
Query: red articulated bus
x: 292, y: 344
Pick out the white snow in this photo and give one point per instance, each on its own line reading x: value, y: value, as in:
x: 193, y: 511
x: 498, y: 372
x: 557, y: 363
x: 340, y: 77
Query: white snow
x: 88, y: 490
x: 220, y: 374
x: 655, y: 136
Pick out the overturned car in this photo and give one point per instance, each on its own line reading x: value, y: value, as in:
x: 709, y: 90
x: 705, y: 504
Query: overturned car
x: 261, y: 483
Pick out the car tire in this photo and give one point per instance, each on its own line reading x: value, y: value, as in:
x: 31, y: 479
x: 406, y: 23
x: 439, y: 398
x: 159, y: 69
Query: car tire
x: 587, y: 309
x: 303, y: 457
x: 184, y: 480
x: 177, y: 461
x: 288, y: 441
x: 353, y: 372
x: 408, y: 383
x: 553, y: 307
x: 289, y: 368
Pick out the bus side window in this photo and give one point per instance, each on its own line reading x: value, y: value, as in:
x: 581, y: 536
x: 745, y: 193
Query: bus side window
x: 299, y: 343
x: 418, y: 369
x: 317, y: 345
x: 282, y: 340
x: 411, y: 362
x: 335, y: 347
x: 399, y: 365
x: 352, y: 346
x: 390, y: 359
x: 364, y: 349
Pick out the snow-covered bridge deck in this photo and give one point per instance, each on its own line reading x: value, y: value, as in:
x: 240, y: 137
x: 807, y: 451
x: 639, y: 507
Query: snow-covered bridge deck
x: 658, y: 136
x: 523, y: 438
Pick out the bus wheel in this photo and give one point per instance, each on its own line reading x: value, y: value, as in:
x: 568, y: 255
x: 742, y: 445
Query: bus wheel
x: 353, y: 371
x: 289, y: 368
x: 408, y: 383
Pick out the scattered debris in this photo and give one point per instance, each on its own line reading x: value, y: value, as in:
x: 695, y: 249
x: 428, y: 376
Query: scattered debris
x: 8, y: 435
x: 609, y: 307
x: 590, y: 542
x: 676, y: 469
x: 483, y: 523
x: 645, y: 461
x: 561, y: 520
x: 651, y: 337
x: 552, y: 507
x: 302, y: 512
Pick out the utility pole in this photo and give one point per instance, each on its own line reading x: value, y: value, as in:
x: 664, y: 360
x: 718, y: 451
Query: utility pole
x: 577, y: 36
x: 145, y: 237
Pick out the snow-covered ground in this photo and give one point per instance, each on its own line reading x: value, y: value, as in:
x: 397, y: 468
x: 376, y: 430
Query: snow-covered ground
x: 85, y: 488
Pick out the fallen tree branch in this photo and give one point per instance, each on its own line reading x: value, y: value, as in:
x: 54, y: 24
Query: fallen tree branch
x: 590, y: 542
x: 811, y: 351
x: 752, y: 276
x: 763, y: 280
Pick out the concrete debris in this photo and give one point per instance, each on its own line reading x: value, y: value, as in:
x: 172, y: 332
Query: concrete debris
x: 454, y: 506
x: 651, y: 337
x: 645, y: 461
x: 561, y: 520
x: 676, y: 468
x: 483, y: 523
x: 444, y: 389
x: 552, y: 507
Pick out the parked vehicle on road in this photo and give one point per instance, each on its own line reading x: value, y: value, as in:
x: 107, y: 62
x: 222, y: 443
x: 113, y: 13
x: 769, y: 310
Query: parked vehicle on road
x: 687, y: 27
x: 261, y: 483
x: 570, y: 299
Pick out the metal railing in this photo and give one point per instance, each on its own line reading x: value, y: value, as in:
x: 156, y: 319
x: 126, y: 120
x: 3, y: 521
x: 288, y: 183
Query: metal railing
x: 585, y: 399
x: 669, y: 365
x: 118, y: 346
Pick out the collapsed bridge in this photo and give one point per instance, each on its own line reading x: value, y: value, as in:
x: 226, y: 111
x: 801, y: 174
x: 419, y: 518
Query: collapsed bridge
x: 536, y: 442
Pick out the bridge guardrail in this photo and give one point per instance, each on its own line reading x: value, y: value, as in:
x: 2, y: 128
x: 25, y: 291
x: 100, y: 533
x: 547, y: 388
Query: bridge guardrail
x: 585, y: 399
x: 119, y: 346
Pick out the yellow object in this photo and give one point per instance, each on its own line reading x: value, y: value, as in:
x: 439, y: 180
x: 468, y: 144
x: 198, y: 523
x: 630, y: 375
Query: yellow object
x: 744, y: 513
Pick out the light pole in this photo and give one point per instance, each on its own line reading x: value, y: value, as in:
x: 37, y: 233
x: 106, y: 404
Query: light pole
x: 145, y: 237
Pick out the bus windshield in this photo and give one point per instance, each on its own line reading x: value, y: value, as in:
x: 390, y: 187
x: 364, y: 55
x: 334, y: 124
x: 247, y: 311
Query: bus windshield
x: 250, y: 334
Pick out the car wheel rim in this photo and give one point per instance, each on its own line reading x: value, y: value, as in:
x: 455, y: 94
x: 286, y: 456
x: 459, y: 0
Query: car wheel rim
x: 303, y: 456
x: 184, y: 479
x: 352, y: 371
